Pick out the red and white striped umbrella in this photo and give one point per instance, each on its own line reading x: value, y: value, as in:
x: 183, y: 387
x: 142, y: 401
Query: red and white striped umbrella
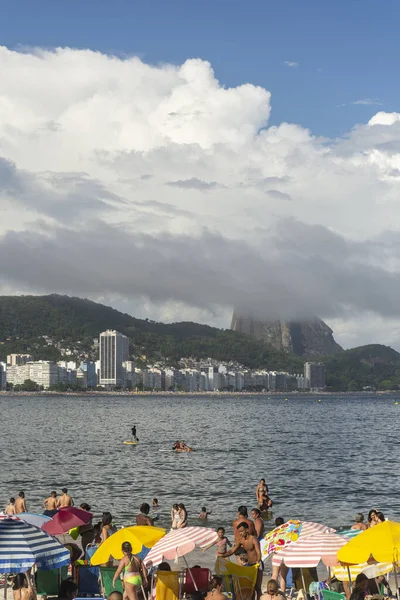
x: 289, y: 533
x: 180, y: 542
x: 309, y: 551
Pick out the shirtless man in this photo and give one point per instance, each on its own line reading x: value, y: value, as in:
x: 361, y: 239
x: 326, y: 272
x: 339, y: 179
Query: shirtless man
x: 258, y: 522
x: 250, y: 544
x: 142, y: 518
x: 242, y: 518
x: 51, y: 502
x: 20, y: 504
x: 65, y: 499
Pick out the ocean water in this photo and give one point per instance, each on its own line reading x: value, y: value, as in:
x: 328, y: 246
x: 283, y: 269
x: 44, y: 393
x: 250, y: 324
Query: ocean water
x: 323, y: 461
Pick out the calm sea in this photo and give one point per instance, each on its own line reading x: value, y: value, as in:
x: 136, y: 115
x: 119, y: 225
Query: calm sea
x: 324, y: 461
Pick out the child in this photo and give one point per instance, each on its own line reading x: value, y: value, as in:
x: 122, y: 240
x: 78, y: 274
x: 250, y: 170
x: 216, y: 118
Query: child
x: 204, y: 513
x: 222, y: 542
x: 243, y: 560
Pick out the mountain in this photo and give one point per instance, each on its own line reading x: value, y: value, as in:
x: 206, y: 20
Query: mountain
x: 24, y: 319
x: 373, y: 366
x: 307, y: 338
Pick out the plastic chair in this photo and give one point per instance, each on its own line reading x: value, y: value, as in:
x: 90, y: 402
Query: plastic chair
x: 243, y: 579
x: 329, y: 595
x: 166, y: 585
x: 106, y: 578
x: 201, y: 578
x: 48, y: 582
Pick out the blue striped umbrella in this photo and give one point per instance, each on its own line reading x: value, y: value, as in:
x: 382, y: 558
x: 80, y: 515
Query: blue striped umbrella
x: 22, y: 545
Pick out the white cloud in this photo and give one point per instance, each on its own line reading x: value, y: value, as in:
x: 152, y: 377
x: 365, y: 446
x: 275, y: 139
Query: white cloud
x: 367, y: 102
x: 155, y: 187
x: 290, y: 63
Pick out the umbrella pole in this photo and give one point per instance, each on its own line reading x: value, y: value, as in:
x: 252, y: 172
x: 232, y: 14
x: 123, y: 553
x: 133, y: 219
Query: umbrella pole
x: 302, y: 579
x: 349, y: 575
x: 191, y: 574
x: 395, y: 580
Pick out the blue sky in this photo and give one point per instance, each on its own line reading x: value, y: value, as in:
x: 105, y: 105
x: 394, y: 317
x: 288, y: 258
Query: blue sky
x: 346, y: 50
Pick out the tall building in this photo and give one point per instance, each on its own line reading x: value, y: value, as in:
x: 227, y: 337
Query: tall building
x: 315, y: 373
x: 114, y: 350
x: 3, y: 376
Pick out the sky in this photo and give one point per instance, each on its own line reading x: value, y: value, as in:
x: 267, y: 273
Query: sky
x: 179, y: 159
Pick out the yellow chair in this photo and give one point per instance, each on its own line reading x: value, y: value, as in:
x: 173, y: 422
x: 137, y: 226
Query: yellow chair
x: 167, y: 585
x: 239, y: 581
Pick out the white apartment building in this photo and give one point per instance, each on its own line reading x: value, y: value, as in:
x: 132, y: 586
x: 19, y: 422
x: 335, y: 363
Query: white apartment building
x: 114, y: 351
x: 3, y: 376
x: 18, y: 359
x: 42, y: 372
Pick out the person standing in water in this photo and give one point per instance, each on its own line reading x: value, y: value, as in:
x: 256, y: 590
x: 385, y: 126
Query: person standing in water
x: 65, y: 499
x: 10, y: 508
x: 51, y: 502
x: 20, y: 503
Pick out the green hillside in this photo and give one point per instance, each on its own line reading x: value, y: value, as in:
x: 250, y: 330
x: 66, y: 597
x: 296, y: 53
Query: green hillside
x: 373, y: 365
x: 23, y: 319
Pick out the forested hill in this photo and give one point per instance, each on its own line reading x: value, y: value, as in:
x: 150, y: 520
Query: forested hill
x: 23, y: 319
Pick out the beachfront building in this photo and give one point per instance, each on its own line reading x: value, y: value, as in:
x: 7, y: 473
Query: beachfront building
x: 315, y: 373
x: 114, y: 351
x: 3, y: 376
x: 18, y: 359
x: 43, y: 372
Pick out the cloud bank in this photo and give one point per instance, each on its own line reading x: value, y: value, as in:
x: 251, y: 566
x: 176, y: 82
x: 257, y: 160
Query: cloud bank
x: 157, y: 190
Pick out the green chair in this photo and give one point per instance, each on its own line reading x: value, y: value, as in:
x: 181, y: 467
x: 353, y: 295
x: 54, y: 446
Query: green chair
x: 48, y: 582
x: 106, y: 578
x: 329, y: 595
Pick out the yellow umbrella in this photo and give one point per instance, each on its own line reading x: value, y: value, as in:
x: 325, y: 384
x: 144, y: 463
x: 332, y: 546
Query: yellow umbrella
x: 137, y: 535
x: 350, y: 573
x: 381, y: 543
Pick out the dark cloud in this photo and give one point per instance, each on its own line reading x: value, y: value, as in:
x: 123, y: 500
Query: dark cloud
x: 299, y: 271
x: 194, y: 184
x: 279, y: 195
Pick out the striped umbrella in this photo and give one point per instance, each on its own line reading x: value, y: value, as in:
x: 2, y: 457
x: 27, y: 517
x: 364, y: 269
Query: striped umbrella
x: 350, y: 573
x: 180, y: 542
x: 309, y: 551
x: 289, y: 533
x: 34, y: 519
x: 22, y: 545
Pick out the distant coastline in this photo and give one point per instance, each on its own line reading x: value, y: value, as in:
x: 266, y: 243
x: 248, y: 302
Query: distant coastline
x: 162, y: 393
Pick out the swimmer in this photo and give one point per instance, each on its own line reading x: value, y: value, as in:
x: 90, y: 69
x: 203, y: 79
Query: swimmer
x: 135, y: 573
x: 51, y: 502
x: 20, y: 503
x: 10, y: 508
x: 204, y: 513
x: 65, y: 499
x: 143, y: 517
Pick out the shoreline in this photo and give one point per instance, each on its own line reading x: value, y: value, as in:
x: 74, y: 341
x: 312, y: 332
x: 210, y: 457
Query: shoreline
x: 163, y: 393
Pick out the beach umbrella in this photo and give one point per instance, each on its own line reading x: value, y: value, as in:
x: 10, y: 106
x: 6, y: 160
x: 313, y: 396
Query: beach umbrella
x: 288, y: 533
x: 179, y: 542
x: 138, y: 536
x: 380, y: 543
x: 350, y: 573
x: 33, y: 519
x: 65, y: 519
x: 309, y: 551
x: 22, y: 545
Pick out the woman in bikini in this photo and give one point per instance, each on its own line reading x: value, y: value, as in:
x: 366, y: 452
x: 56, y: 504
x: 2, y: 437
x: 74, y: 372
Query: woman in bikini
x: 135, y: 573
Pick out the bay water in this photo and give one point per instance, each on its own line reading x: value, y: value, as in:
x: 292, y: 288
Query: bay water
x: 324, y: 458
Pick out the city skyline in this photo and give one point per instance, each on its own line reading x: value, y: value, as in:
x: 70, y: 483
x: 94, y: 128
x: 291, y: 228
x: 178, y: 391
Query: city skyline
x: 192, y: 160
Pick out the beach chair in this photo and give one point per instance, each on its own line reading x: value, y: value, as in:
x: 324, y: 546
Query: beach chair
x: 48, y: 582
x: 330, y: 595
x: 239, y: 581
x: 165, y: 585
x: 87, y: 578
x: 201, y: 578
x: 106, y: 578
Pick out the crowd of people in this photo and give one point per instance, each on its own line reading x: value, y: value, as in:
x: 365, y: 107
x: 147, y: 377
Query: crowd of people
x: 248, y: 531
